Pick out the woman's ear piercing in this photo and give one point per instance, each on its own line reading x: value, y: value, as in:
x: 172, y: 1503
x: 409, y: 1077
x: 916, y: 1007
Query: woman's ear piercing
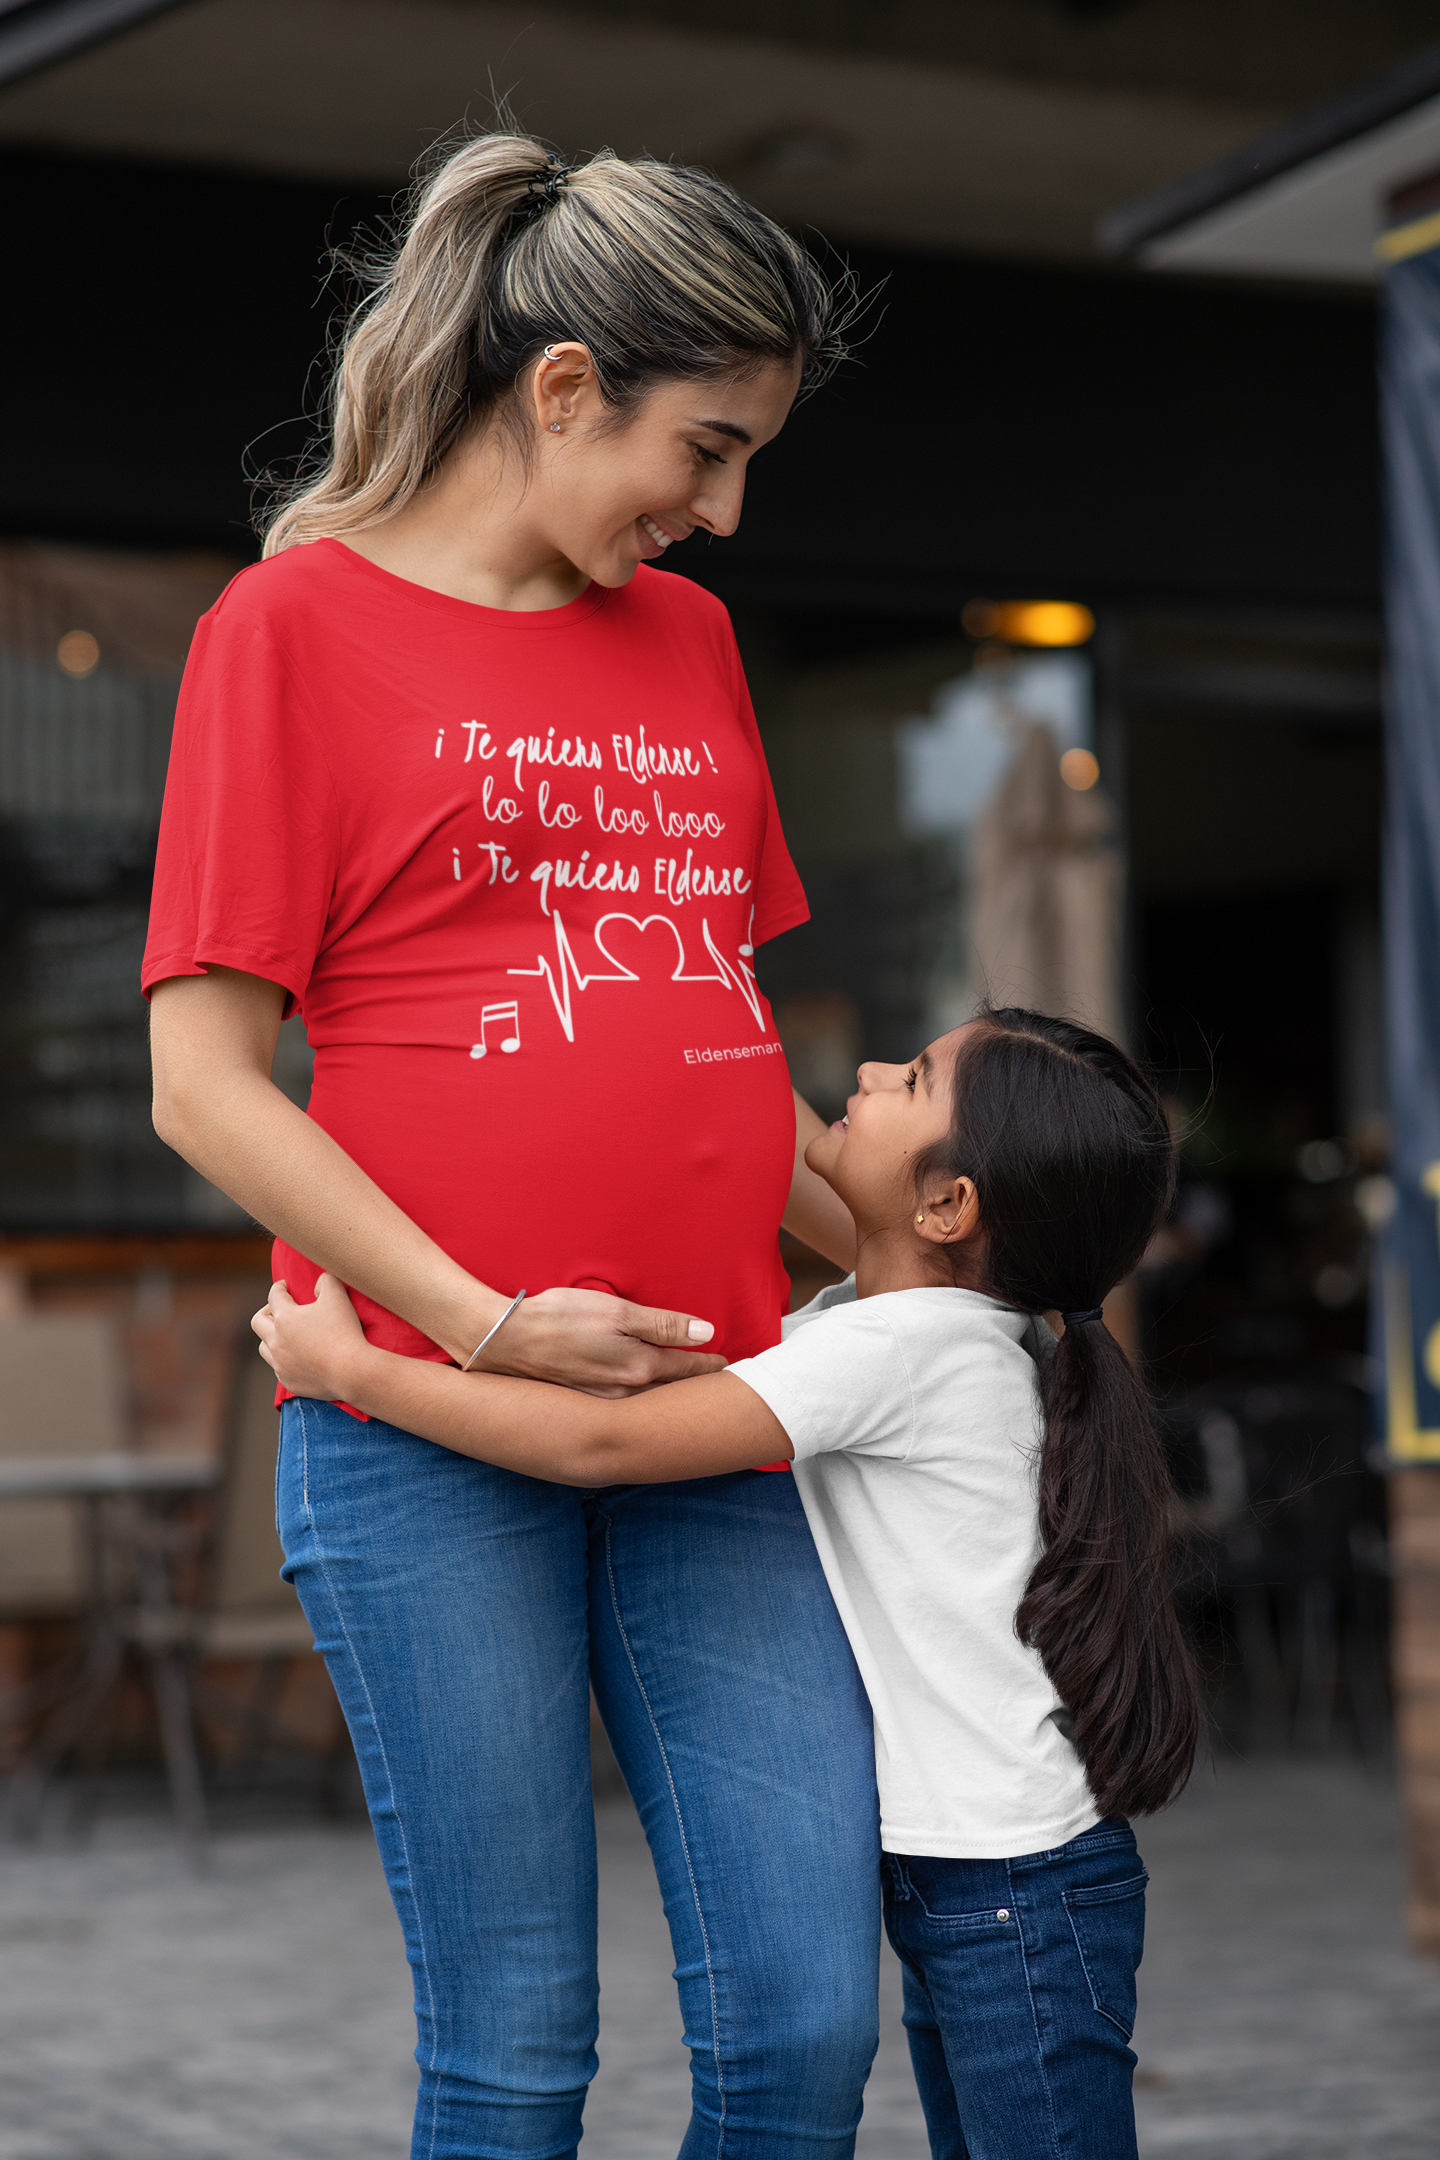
x: 919, y: 1218
x: 554, y: 427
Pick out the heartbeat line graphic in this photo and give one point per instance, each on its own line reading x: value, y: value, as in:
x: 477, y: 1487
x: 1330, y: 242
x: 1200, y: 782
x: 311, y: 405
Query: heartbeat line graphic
x: 742, y: 978
x: 566, y: 966
x: 567, y: 971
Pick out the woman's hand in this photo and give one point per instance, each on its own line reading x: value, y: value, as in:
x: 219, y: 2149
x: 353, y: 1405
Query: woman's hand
x: 313, y: 1348
x: 602, y: 1344
x: 580, y: 1338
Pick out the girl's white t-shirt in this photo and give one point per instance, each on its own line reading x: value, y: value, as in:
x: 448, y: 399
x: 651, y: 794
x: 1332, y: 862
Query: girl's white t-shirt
x: 915, y: 1419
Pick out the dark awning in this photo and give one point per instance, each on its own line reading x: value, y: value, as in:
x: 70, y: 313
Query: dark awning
x: 1307, y: 200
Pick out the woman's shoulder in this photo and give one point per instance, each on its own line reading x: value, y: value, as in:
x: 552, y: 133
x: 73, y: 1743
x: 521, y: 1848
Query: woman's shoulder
x: 275, y: 589
x: 672, y: 596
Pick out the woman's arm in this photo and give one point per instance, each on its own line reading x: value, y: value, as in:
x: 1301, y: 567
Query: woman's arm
x: 699, y: 1429
x: 813, y: 1213
x: 213, y: 1040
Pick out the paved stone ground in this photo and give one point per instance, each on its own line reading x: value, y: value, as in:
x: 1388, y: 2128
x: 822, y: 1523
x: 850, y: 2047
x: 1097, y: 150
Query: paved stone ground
x: 262, y: 2012
x: 1281, y: 2015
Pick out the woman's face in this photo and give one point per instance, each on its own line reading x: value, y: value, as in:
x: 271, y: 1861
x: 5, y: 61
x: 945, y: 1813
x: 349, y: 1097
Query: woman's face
x: 895, y: 1114
x: 608, y: 499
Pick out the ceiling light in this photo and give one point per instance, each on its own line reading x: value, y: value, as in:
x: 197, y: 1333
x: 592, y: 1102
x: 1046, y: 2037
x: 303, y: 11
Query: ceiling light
x: 78, y: 653
x: 1079, y: 769
x: 1030, y: 622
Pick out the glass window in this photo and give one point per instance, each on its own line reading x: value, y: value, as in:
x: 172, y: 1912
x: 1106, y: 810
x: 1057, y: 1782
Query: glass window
x: 91, y: 651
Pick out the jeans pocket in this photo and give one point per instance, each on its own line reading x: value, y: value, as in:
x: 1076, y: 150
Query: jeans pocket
x: 948, y: 1906
x: 294, y: 1524
x: 1108, y: 1923
x: 950, y: 1926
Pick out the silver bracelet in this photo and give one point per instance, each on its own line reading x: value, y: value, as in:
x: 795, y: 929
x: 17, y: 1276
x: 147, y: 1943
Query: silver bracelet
x: 510, y: 1308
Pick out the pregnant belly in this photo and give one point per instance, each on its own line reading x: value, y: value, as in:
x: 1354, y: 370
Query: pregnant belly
x: 667, y: 1190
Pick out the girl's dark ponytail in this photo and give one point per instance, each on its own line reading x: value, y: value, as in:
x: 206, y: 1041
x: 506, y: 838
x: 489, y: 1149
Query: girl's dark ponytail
x: 1068, y: 1146
x: 1098, y: 1606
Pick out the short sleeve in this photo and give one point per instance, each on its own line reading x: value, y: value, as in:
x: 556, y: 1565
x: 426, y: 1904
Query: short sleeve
x: 840, y: 1382
x: 780, y: 902
x: 249, y: 832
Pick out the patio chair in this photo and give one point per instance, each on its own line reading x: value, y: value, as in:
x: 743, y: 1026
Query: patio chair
x: 245, y: 1611
x: 62, y: 1392
x: 1284, y: 1520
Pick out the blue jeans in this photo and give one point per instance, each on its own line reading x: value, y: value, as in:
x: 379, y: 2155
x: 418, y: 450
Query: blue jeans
x: 1020, y: 1996
x: 463, y: 1611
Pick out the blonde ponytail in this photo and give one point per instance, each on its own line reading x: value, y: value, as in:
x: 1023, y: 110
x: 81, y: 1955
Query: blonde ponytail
x: 663, y: 272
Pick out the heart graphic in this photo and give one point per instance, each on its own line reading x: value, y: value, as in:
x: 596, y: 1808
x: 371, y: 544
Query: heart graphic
x: 627, y: 974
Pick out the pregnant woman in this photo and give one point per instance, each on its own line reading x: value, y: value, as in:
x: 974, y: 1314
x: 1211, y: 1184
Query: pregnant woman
x: 464, y: 778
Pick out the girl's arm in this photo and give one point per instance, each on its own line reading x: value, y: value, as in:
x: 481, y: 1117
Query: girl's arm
x: 212, y: 1039
x: 814, y: 1213
x: 699, y: 1428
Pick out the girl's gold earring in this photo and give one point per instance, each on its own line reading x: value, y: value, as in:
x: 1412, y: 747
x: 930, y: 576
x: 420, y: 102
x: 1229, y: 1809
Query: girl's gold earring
x: 919, y: 1218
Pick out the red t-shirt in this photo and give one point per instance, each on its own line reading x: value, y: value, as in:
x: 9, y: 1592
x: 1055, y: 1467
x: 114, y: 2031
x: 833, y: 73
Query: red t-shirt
x: 513, y: 869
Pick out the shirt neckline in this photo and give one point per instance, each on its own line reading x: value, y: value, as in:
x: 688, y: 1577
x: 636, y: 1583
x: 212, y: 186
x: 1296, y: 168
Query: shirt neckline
x: 949, y: 1290
x: 844, y: 1293
x: 525, y: 621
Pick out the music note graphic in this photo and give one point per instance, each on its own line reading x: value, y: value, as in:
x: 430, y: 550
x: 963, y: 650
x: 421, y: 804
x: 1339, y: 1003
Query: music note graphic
x: 496, y: 1013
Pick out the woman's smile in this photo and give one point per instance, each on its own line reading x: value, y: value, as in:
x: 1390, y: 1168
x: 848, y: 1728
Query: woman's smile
x: 660, y: 536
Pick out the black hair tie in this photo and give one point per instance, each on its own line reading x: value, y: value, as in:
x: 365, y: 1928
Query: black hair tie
x: 545, y: 185
x: 1078, y: 1319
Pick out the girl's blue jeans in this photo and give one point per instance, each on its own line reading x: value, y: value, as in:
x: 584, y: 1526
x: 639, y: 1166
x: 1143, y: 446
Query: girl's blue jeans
x: 1020, y: 1996
x: 463, y: 1612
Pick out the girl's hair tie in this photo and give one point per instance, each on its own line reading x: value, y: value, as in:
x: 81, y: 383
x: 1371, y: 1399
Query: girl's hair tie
x: 1078, y: 1319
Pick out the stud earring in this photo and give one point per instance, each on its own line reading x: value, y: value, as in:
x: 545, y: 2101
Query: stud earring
x: 919, y: 1218
x: 554, y: 427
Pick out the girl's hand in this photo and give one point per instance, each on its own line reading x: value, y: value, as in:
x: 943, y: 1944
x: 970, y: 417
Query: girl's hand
x: 313, y: 1348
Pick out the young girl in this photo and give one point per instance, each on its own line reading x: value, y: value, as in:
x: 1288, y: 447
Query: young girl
x: 1011, y: 1618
